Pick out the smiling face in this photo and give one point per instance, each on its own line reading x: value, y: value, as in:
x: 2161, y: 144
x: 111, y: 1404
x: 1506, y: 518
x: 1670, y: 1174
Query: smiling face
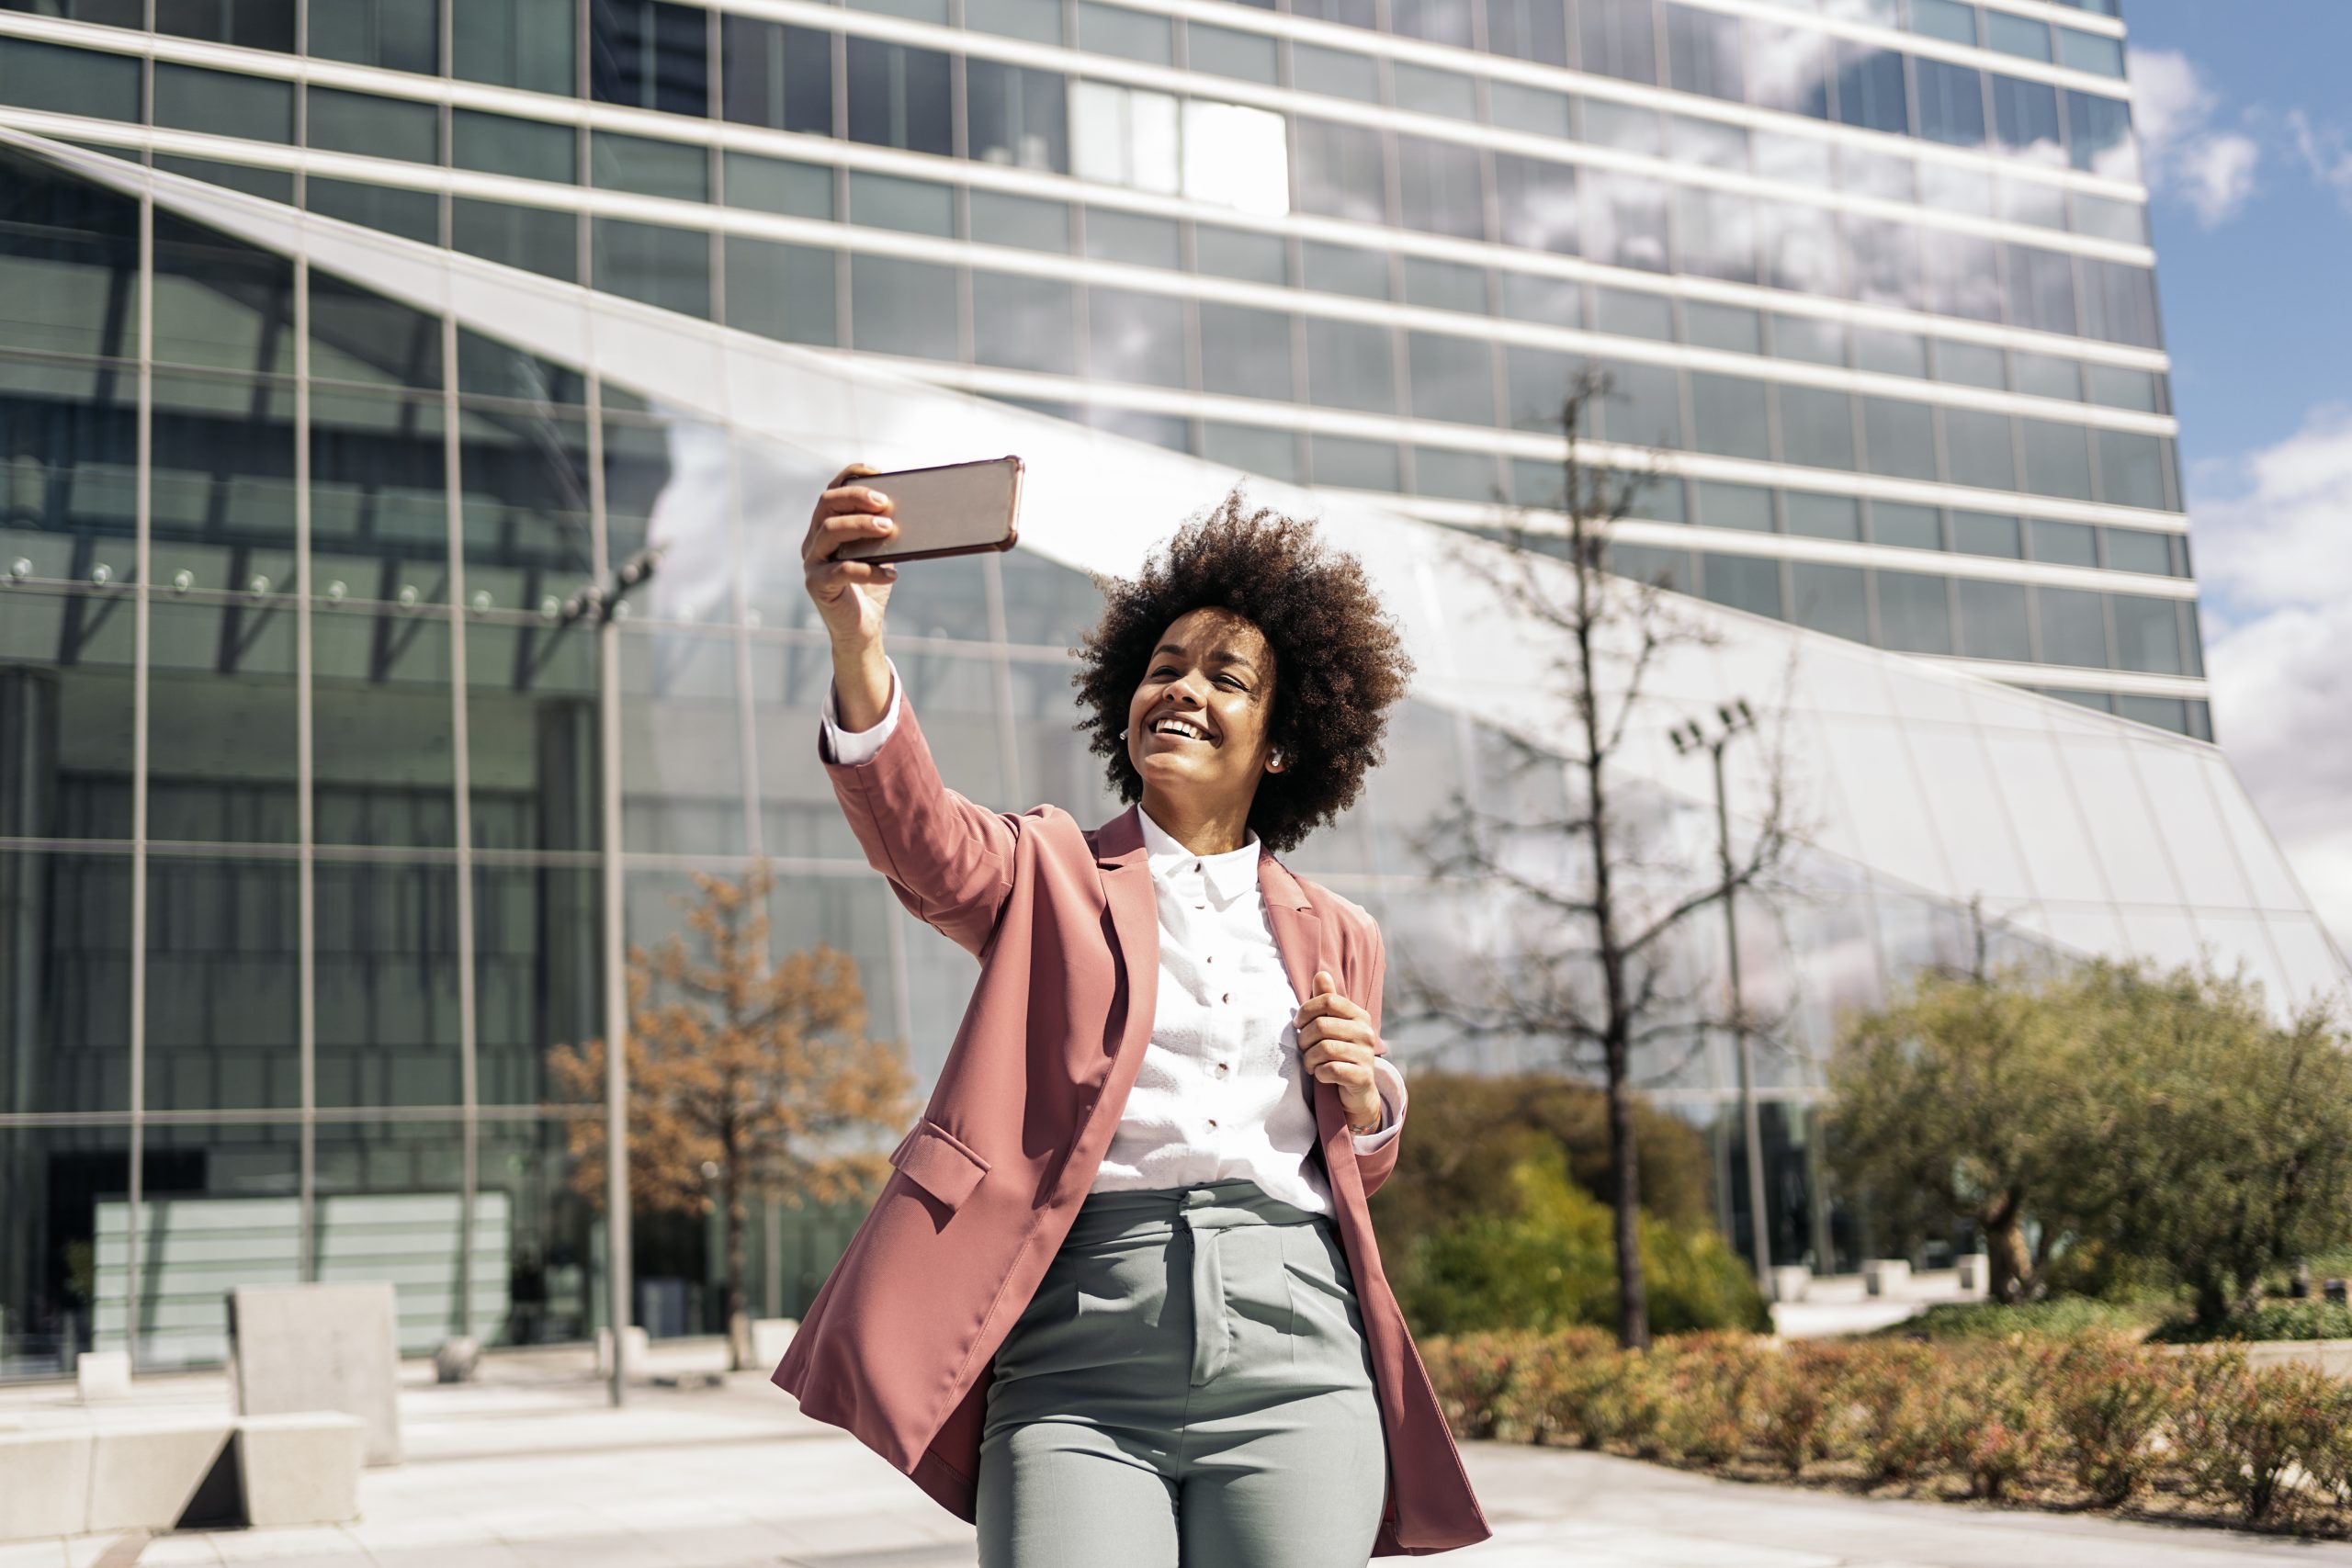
x: 1197, y: 725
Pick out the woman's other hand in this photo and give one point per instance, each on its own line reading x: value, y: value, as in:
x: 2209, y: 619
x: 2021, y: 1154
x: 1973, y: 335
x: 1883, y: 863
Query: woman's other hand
x: 849, y: 595
x: 1336, y: 1042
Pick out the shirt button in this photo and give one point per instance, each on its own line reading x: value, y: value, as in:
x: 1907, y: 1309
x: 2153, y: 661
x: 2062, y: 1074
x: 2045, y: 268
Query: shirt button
x: 1196, y: 865
x: 1212, y: 1121
x: 1221, y: 1068
x: 1227, y: 998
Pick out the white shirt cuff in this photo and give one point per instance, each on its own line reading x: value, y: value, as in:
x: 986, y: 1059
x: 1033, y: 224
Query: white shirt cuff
x: 851, y: 746
x: 1391, y: 1082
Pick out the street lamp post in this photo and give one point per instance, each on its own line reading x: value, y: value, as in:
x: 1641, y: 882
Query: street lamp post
x: 602, y: 603
x: 1734, y: 720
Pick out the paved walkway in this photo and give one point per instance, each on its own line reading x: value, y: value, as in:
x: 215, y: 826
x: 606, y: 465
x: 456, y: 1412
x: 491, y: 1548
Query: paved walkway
x: 530, y: 1469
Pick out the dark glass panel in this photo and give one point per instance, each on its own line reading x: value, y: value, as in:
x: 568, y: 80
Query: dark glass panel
x: 249, y: 24
x: 1338, y: 171
x: 359, y: 336
x: 1617, y: 38
x: 2120, y: 303
x: 1133, y: 336
x: 1445, y: 286
x: 36, y: 75
x: 1537, y: 381
x: 1221, y: 51
x: 223, y: 986
x: 2131, y: 470
x: 775, y: 75
x: 1347, y: 13
x: 98, y: 13
x: 372, y: 126
x: 65, y: 969
x: 1986, y: 533
x: 379, y: 527
x: 1440, y: 188
x: 399, y: 35
x: 1645, y: 403
x: 903, y: 307
x: 1344, y: 269
x: 1138, y: 239
x: 1816, y: 427
x: 1907, y: 526
x: 1788, y: 69
x: 219, y: 302
x: 1024, y: 324
x: 1992, y: 621
x: 388, y: 965
x: 2134, y: 549
x: 530, y: 44
x: 1245, y: 351
x: 650, y: 54
x: 1132, y: 35
x: 69, y: 263
x: 2098, y: 135
x: 1869, y: 88
x: 2073, y: 626
x: 69, y: 452
x: 1899, y: 438
x: 2025, y: 37
x: 660, y: 265
x: 646, y: 167
x: 1913, y: 612
x: 1527, y: 30
x: 2147, y: 634
x: 1745, y: 507
x: 537, y: 239
x: 1744, y: 582
x: 1348, y: 365
x: 1334, y: 72
x: 500, y: 144
x: 1450, y: 378
x: 1454, y: 476
x: 1814, y: 516
x: 411, y: 214
x: 1728, y: 416
x: 1703, y: 52
x: 795, y: 190
x: 1348, y: 464
x: 1661, y: 569
x: 2065, y: 544
x: 270, y: 185
x: 1829, y: 599
x: 219, y: 103
x: 1952, y: 103
x: 1979, y: 449
x: 2025, y: 120
x: 2057, y: 459
x: 782, y: 291
x: 898, y: 96
x: 1018, y: 116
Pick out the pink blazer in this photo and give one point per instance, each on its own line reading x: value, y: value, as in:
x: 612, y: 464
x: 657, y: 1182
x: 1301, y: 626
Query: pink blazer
x: 898, y: 1346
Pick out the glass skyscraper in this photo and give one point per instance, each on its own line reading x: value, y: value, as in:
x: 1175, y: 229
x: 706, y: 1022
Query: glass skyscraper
x: 341, y: 343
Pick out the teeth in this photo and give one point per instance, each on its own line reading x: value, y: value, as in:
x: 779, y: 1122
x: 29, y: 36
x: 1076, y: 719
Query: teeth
x: 1178, y: 727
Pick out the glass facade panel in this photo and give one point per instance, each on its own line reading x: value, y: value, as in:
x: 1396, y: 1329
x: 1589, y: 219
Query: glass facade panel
x: 776, y: 75
x: 652, y: 262
x: 1134, y: 337
x: 37, y: 76
x: 1023, y: 324
x: 500, y: 144
x: 2073, y: 626
x: 1992, y: 621
x: 223, y: 967
x: 1348, y: 365
x: 898, y: 96
x: 901, y: 307
x: 530, y: 44
x: 217, y: 103
x: 644, y: 166
x: 1450, y: 378
x: 398, y: 34
x: 650, y: 54
x: 370, y: 126
x: 1816, y: 427
x: 1913, y: 612
x: 248, y: 24
x: 1017, y: 116
x: 535, y: 238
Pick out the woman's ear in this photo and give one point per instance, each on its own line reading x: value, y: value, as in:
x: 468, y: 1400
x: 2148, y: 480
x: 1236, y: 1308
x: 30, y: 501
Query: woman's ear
x: 1274, y: 761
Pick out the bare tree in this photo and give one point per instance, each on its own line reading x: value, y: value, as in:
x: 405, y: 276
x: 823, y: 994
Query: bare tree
x: 1607, y: 877
x: 743, y: 1077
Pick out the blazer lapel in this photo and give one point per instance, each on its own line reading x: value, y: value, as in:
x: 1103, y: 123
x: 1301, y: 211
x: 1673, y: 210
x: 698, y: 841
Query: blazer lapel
x: 1134, y: 920
x: 1299, y: 936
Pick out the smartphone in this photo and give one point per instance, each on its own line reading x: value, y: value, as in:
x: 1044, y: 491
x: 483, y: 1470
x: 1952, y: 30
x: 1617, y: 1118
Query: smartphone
x: 955, y: 509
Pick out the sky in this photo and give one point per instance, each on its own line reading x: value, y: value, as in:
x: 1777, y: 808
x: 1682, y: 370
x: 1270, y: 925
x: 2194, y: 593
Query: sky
x: 2246, y: 131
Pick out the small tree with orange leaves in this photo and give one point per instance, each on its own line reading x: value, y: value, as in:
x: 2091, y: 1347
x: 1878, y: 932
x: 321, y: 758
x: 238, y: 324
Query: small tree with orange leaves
x: 744, y: 1075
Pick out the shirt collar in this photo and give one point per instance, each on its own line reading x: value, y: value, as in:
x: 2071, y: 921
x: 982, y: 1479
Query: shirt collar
x: 1229, y: 874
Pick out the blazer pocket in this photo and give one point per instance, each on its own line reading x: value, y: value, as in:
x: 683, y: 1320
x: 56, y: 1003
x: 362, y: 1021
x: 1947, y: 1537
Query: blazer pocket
x: 939, y: 1162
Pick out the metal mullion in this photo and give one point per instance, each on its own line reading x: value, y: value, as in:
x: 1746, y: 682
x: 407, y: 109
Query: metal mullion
x: 305, y: 739
x: 461, y: 788
x: 616, y: 1195
x: 144, y: 516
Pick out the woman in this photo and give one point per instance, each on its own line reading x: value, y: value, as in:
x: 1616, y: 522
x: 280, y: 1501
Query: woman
x: 1120, y: 1301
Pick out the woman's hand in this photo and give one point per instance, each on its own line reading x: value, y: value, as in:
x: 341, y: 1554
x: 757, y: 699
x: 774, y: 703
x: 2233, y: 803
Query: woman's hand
x: 1336, y: 1042
x: 849, y: 595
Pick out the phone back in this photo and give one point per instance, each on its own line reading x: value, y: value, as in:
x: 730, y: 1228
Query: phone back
x: 953, y: 509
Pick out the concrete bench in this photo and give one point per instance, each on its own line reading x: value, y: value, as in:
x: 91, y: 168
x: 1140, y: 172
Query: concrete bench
x: 255, y: 1469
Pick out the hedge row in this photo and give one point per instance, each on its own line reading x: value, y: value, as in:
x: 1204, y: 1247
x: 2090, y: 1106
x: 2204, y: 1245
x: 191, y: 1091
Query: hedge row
x: 2095, y: 1419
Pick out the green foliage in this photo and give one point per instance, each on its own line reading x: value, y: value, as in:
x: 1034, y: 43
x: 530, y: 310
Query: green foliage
x: 2056, y: 1318
x: 2108, y: 1399
x: 2246, y: 1431
x: 2272, y: 1320
x: 1549, y: 1264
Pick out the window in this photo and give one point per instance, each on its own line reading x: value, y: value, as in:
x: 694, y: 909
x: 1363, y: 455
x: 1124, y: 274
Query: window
x: 1245, y: 351
x: 1992, y: 621
x: 2098, y: 135
x: 795, y: 190
x: 1221, y: 51
x: 644, y: 166
x: 1978, y: 447
x: 1236, y: 253
x: 1455, y: 476
x: 664, y: 267
x: 1745, y: 507
x: 1138, y: 239
x: 1949, y: 20
x: 69, y: 81
x: 1715, y: 233
x: 1963, y: 277
x: 1630, y: 312
x: 1744, y: 582
x: 1702, y: 51
x: 516, y: 43
x: 2120, y: 303
x: 1732, y: 328
x: 1134, y: 337
x: 1869, y: 88
x: 1537, y: 381
x: 1340, y: 172
x: 1616, y: 38
x: 776, y: 76
x: 1710, y: 143
x: 1024, y: 324
x: 1252, y: 449
x: 2064, y: 544
x: 1527, y: 30
x: 2021, y: 36
x: 1913, y: 612
x: 1985, y: 534
x: 1900, y: 438
x: 2025, y: 120
x: 251, y: 108
x: 1439, y: 21
x: 1235, y: 156
x: 1132, y: 35
x: 2042, y: 289
x: 1039, y: 21
x: 1952, y: 103
x: 1728, y: 416
x: 1823, y: 516
x: 1348, y: 464
x: 1832, y: 598
x: 1887, y: 269
x: 2047, y: 375
x: 1423, y: 90
x: 1890, y: 353
x: 2104, y: 218
x: 1535, y: 110
x: 903, y: 307
x: 1788, y: 69
x: 2135, y: 549
x: 411, y: 214
x: 249, y: 24
x: 526, y: 148
x: 1344, y: 269
x: 2057, y: 459
x: 399, y: 35
x: 1970, y: 364
x: 1557, y: 302
x: 1440, y: 187
x: 1906, y: 527
x: 786, y: 291
x: 1348, y: 366
x: 1624, y: 219
x: 650, y: 54
x: 1450, y: 377
x: 2131, y: 470
x: 1645, y: 404
x: 1445, y: 286
x: 898, y: 96
x: 374, y: 126
x: 529, y: 237
x: 2073, y: 627
x: 1816, y: 427
x: 1797, y: 248
x: 1538, y: 202
x: 1338, y: 74
x: 914, y: 207
x: 1016, y: 116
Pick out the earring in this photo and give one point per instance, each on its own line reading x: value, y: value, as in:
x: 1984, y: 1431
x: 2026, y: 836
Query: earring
x: 1274, y: 762
x: 1123, y: 735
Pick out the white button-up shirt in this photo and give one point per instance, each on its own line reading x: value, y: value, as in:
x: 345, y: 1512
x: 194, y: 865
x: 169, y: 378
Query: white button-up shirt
x: 1222, y: 1091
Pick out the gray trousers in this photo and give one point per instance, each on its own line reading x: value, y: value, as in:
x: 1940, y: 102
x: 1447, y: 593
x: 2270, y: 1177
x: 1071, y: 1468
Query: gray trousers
x: 1188, y: 1386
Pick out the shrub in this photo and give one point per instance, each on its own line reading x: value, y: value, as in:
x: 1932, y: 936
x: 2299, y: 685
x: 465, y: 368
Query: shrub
x: 1476, y: 1376
x: 2271, y: 1320
x: 1552, y: 1264
x: 2109, y: 1398
x: 1998, y: 1426
x: 2241, y: 1431
x: 1894, y: 1414
x: 1793, y: 1394
x: 2062, y: 1318
x: 1568, y: 1379
x: 1704, y: 1386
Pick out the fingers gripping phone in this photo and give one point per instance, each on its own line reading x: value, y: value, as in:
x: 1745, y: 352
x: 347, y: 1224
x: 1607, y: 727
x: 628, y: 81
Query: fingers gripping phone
x: 955, y: 509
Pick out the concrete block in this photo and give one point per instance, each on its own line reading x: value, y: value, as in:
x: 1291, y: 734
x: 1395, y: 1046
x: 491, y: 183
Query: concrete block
x: 1790, y: 1283
x: 300, y: 1470
x: 769, y: 1337
x: 298, y: 1348
x: 1975, y: 1272
x: 103, y: 1374
x: 1886, y: 1279
x: 143, y: 1477
x: 635, y: 1345
x: 44, y: 1483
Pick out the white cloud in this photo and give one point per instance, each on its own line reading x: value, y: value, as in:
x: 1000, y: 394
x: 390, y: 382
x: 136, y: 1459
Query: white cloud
x: 2181, y: 151
x: 2274, y: 560
x: 2324, y: 153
